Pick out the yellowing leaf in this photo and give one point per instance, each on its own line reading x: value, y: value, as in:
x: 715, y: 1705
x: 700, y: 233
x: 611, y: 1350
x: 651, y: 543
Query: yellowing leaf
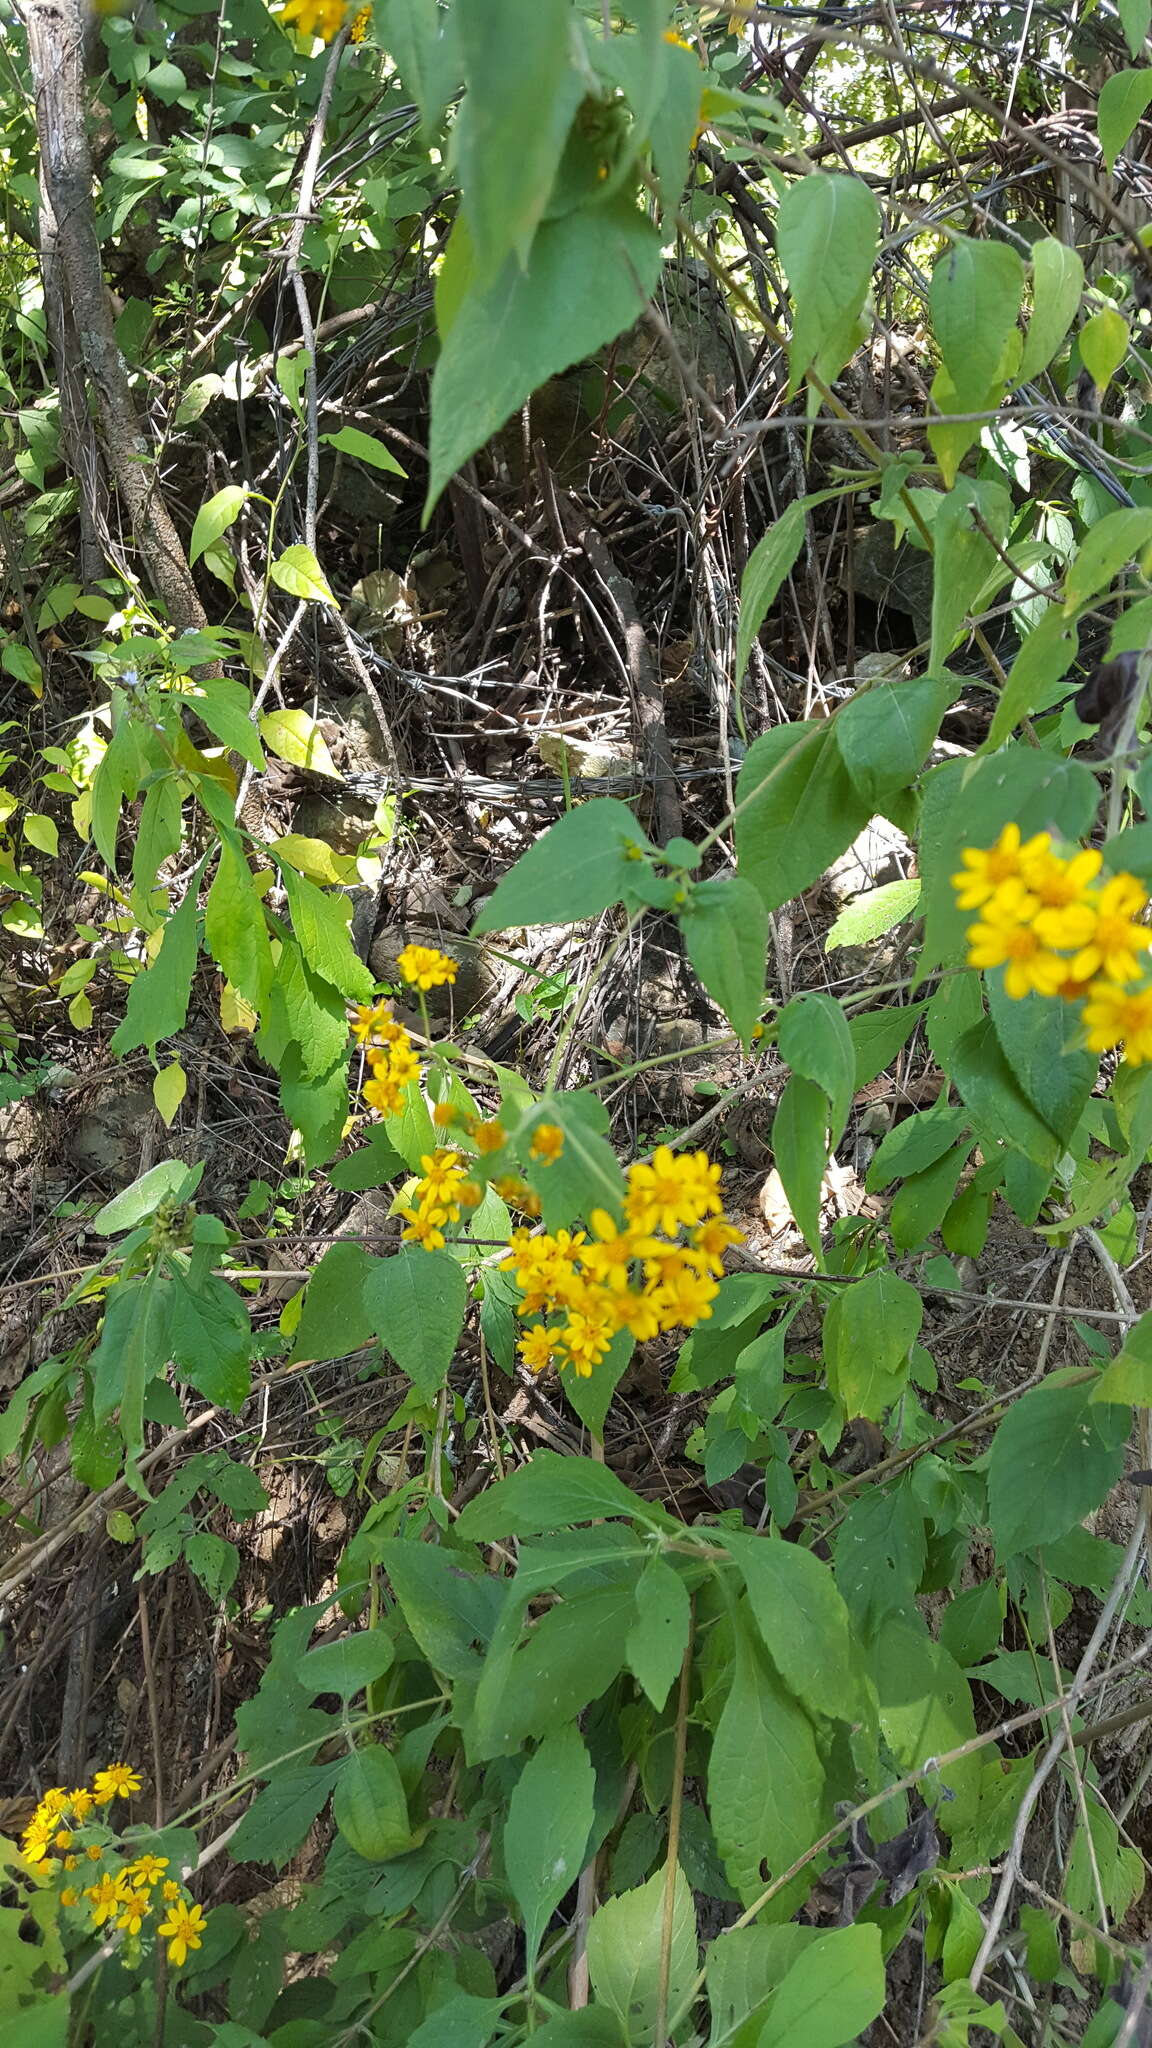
x: 315, y: 858
x: 80, y: 1012
x: 236, y: 1013
x: 1103, y: 345
x: 291, y: 1313
x: 41, y: 832
x: 299, y: 573
x: 169, y: 1089
x: 296, y: 737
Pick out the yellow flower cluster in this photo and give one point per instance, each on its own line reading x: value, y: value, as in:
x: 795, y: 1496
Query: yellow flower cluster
x: 390, y: 1054
x: 323, y: 18
x: 1057, y: 930
x: 423, y: 967
x: 625, y: 1279
x: 360, y: 25
x: 55, y: 1842
x: 438, y: 1198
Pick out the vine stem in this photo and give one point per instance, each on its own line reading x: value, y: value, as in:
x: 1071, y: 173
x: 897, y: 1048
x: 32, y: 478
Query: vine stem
x: 672, y: 1864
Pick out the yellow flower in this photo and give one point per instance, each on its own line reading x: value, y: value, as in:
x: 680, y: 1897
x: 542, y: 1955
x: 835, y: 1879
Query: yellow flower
x: 517, y: 1193
x: 182, y: 1930
x: 54, y: 1802
x: 117, y: 1782
x: 490, y: 1137
x: 671, y: 1191
x: 136, y: 1910
x: 361, y: 23
x: 384, y: 1093
x: 106, y: 1897
x: 678, y: 42
x: 64, y: 1839
x: 36, y: 1841
x: 588, y: 1332
x: 94, y: 1852
x: 1056, y: 882
x: 147, y: 1870
x: 323, y: 18
x: 444, y: 1169
x: 81, y: 1802
x: 68, y: 1897
x: 709, y: 1243
x: 1005, y: 938
x: 547, y: 1143
x: 445, y: 1115
x: 170, y: 1891
x: 685, y: 1299
x: 1119, y: 1016
x: 1115, y: 941
x: 537, y: 1347
x: 70, y: 1862
x: 423, y: 1227
x: 423, y: 967
x: 367, y: 1019
x: 984, y: 872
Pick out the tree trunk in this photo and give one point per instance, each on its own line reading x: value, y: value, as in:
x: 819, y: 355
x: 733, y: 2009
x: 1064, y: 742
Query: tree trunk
x: 83, y: 340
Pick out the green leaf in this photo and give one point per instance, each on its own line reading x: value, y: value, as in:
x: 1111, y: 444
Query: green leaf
x: 877, y: 1037
x: 590, y: 1395
x: 372, y: 1166
x: 571, y: 1656
x: 512, y: 127
x: 41, y: 833
x: 280, y: 1816
x: 921, y: 1204
x: 550, y: 1492
x: 587, y: 278
x: 580, y: 866
x: 132, y: 1349
x: 334, y: 1319
x: 1000, y: 1110
x: 1135, y: 18
x: 975, y: 297
x: 658, y: 1636
x: 963, y: 557
x: 299, y: 573
x: 914, y: 1144
x: 1035, y: 677
x: 625, y: 1951
x: 587, y: 1174
x: 1104, y: 551
x: 169, y: 1181
x: 967, y: 803
x: 796, y: 810
x: 216, y: 517
x: 417, y: 1301
x: 831, y: 1993
x: 885, y: 734
x: 546, y: 1833
x: 364, y: 448
x: 1038, y: 1039
x: 880, y: 1554
x: 158, y: 995
x: 448, y: 1608
x: 765, y: 1779
x: 869, y: 1331
x: 771, y: 560
x: 296, y: 737
x: 463, y: 2021
x: 224, y: 706
x: 868, y: 916
x: 725, y: 930
x: 1129, y: 1377
x: 369, y: 1806
x: 1104, y: 344
x: 800, y: 1147
x: 118, y: 775
x: 348, y: 1666
x: 316, y: 1105
x: 1053, y: 1459
x: 827, y: 235
x: 169, y: 1087
x: 211, y: 1338
x: 1057, y: 285
x: 926, y: 1710
x: 813, y: 1037
x: 802, y: 1620
x: 1123, y: 100
x: 320, y: 922
x: 743, y: 1967
x: 235, y: 931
